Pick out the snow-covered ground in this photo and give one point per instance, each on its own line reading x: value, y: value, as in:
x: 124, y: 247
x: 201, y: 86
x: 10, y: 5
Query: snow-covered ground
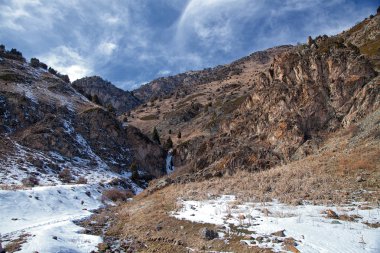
x: 45, y: 215
x: 307, y: 224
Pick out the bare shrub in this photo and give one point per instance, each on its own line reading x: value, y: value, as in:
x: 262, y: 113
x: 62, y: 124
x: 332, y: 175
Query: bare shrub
x: 115, y: 195
x: 82, y: 180
x: 30, y: 181
x: 65, y: 176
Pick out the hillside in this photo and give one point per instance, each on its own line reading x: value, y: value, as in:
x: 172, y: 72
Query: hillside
x: 105, y: 93
x: 47, y: 126
x: 269, y: 108
x: 278, y: 151
x: 268, y: 156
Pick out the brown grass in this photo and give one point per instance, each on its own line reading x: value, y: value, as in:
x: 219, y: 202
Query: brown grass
x: 150, y: 117
x: 139, y: 220
x: 325, y: 178
x: 16, y: 244
x: 116, y: 195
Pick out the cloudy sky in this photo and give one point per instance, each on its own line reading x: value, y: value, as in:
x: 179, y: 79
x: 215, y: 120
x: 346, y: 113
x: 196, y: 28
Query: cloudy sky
x: 130, y: 42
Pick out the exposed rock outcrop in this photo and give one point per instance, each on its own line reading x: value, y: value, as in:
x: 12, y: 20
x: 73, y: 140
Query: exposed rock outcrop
x: 279, y: 106
x: 105, y: 93
x: 47, y: 126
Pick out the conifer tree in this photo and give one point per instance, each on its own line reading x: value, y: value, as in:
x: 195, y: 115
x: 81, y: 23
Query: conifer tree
x: 155, y: 136
x: 168, y: 144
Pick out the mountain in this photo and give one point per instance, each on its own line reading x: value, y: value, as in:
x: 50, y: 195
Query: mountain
x: 47, y: 126
x: 105, y: 93
x: 269, y: 108
x: 267, y: 150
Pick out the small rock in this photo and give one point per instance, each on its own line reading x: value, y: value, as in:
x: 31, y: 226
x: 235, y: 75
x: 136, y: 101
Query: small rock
x: 158, y: 227
x: 309, y: 41
x: 359, y: 179
x: 331, y: 214
x: 279, y: 233
x: 276, y: 240
x: 290, y: 241
x: 260, y: 239
x: 55, y: 237
x: 336, y: 222
x: 208, y: 234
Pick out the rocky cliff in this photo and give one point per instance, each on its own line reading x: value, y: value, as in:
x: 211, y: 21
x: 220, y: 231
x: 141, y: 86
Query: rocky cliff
x: 268, y: 108
x: 105, y: 93
x: 47, y: 126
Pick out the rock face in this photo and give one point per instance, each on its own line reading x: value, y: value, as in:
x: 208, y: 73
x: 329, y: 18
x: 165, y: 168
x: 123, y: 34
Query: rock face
x: 181, y: 85
x: 47, y: 126
x: 273, y: 107
x: 105, y: 93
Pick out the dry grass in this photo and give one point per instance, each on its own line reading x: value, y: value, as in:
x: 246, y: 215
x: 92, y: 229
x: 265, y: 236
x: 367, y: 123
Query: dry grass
x: 115, y: 195
x: 16, y: 244
x: 325, y: 178
x: 140, y: 219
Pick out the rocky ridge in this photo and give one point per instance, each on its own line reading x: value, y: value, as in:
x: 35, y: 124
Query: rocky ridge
x: 47, y: 126
x: 269, y: 108
x: 105, y: 93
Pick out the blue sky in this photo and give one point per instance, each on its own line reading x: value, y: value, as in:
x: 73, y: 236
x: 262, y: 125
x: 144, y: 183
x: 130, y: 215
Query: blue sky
x: 132, y: 42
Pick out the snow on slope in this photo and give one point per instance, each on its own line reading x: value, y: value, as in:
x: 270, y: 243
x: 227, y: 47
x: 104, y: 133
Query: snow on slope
x: 307, y: 224
x: 46, y: 212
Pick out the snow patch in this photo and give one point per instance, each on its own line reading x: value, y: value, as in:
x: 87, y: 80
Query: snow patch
x: 307, y: 224
x: 47, y: 212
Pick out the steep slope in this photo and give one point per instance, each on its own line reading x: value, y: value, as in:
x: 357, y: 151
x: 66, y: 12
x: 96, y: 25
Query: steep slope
x: 105, y: 93
x: 47, y: 126
x: 272, y: 107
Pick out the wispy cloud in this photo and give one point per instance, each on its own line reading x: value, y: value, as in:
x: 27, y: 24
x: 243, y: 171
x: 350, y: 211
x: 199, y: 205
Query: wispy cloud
x: 130, y: 42
x: 68, y: 61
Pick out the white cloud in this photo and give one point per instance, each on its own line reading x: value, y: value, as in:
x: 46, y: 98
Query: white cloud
x: 214, y: 23
x: 67, y: 61
x: 107, y: 48
x: 163, y: 72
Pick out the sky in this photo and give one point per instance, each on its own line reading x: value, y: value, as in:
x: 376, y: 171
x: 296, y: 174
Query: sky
x: 131, y: 42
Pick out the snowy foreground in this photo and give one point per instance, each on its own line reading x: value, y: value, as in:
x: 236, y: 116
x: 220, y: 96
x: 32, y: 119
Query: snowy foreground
x: 307, y: 224
x: 44, y: 217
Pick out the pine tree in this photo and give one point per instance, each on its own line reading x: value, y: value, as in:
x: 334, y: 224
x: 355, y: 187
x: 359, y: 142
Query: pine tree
x: 168, y: 144
x: 155, y: 136
x: 179, y: 135
x: 95, y: 99
x: 111, y: 109
x: 135, y: 173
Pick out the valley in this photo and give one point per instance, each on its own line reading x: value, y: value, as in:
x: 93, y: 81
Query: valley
x: 278, y: 151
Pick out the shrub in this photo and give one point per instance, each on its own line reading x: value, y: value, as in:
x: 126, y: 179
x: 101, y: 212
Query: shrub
x: 65, y: 78
x: 149, y: 117
x: 111, y: 109
x: 43, y: 65
x: 30, y: 181
x: 155, y: 136
x: 115, y: 194
x: 65, y: 176
x: 168, y: 144
x: 52, y: 71
x: 34, y: 62
x: 82, y: 180
x: 135, y: 173
x: 179, y: 135
x: 95, y: 99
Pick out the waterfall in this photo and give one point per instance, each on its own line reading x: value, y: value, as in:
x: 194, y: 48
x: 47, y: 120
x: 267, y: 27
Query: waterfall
x: 169, y: 162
